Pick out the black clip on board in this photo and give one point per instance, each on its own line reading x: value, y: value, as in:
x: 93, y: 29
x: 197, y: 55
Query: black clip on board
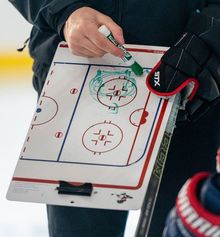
x: 67, y: 188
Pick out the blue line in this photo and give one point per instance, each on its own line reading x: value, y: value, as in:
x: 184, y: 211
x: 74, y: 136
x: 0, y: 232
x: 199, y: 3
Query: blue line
x: 74, y: 111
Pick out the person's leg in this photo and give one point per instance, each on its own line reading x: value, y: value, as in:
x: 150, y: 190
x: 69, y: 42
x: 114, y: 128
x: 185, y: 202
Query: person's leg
x: 85, y: 222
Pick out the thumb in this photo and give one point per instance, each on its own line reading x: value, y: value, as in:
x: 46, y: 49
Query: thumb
x: 113, y: 27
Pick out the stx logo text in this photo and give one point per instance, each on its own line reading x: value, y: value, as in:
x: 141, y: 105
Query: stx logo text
x: 157, y: 79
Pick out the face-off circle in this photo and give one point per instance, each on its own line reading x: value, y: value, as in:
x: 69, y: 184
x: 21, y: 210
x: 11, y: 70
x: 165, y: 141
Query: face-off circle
x: 117, y: 92
x: 48, y: 114
x: 102, y: 137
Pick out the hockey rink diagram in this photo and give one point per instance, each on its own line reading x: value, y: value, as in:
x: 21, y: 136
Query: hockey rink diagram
x: 95, y: 122
x: 100, y: 139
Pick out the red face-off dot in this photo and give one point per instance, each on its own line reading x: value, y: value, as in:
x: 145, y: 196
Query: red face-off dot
x: 58, y: 134
x: 73, y: 91
x: 102, y: 138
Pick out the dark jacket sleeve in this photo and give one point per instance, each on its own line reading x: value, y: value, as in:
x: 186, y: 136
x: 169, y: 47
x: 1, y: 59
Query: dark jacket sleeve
x: 47, y: 14
x: 212, y: 9
x: 206, y: 25
x: 213, y: 1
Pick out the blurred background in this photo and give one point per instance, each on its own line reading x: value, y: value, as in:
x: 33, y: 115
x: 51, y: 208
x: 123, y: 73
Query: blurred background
x: 17, y: 105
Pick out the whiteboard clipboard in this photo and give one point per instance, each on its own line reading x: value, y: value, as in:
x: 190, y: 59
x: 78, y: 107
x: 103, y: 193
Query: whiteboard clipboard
x: 97, y: 124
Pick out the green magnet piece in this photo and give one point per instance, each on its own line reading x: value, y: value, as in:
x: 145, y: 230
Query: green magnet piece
x: 137, y: 69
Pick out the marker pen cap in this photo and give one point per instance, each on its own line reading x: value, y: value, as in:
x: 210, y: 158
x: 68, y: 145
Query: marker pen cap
x: 104, y: 30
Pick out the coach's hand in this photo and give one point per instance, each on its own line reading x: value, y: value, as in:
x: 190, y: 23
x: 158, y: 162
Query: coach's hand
x: 82, y: 36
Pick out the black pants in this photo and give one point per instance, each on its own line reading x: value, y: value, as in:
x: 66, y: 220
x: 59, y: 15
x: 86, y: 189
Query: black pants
x: 85, y: 222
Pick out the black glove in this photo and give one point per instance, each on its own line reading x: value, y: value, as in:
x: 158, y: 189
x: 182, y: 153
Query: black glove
x: 191, y: 66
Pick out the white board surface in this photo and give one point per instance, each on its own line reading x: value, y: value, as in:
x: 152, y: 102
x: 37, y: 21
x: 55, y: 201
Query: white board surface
x: 95, y: 122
